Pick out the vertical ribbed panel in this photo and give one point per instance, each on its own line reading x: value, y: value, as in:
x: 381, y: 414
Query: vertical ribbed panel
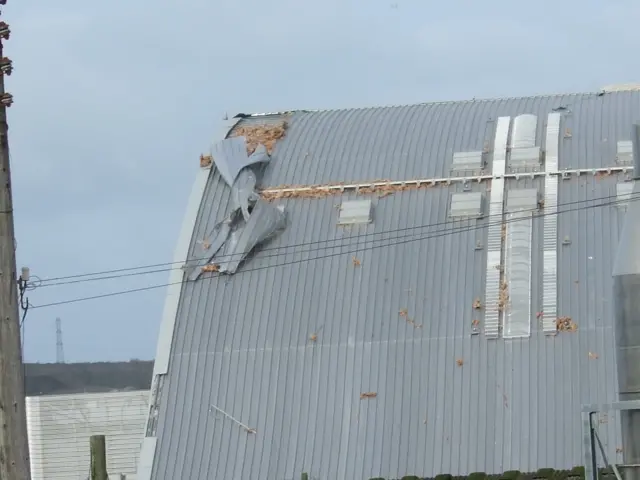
x: 494, y: 234
x: 550, y: 229
x: 517, y: 305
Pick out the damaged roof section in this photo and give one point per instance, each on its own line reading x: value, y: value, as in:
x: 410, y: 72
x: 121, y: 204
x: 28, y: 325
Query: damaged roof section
x: 251, y: 220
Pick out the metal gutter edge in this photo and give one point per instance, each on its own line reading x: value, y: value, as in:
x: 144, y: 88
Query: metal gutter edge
x: 172, y: 300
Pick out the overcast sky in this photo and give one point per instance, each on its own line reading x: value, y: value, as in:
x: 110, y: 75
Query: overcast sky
x: 114, y: 101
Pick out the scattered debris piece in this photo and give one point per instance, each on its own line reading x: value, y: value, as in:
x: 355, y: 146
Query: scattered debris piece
x: 265, y: 134
x: 211, y: 267
x: 245, y: 427
x: 503, y: 231
x: 368, y: 395
x: 539, y: 314
x: 593, y: 356
x: 403, y: 312
x: 459, y: 362
x: 500, y: 268
x: 206, y: 160
x: 541, y: 203
x: 566, y: 324
x: 356, y: 262
x: 413, y: 324
x: 503, y: 296
x: 475, y: 322
x: 618, y: 449
x: 425, y: 421
x: 567, y: 133
x: 477, y: 304
x: 206, y: 245
x: 313, y: 337
x: 603, y: 418
x: 475, y: 327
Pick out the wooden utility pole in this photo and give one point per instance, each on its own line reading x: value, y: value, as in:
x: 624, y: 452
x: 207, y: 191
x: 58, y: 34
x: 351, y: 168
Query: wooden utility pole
x: 14, y: 446
x: 98, y: 449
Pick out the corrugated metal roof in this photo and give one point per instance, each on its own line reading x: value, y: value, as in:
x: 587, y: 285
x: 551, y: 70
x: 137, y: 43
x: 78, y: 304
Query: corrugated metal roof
x: 397, y: 322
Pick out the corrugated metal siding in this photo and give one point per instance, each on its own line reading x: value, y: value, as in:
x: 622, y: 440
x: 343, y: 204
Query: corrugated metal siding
x: 242, y: 343
x: 60, y: 427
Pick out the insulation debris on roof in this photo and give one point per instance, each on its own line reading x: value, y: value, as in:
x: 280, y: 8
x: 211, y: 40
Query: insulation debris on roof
x: 566, y: 324
x: 266, y: 134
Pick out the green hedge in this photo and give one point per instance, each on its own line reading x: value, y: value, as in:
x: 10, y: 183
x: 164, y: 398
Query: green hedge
x: 576, y: 473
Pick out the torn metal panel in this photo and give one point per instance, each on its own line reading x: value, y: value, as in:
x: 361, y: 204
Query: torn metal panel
x: 230, y: 157
x: 243, y: 191
x: 265, y: 220
x: 207, y: 248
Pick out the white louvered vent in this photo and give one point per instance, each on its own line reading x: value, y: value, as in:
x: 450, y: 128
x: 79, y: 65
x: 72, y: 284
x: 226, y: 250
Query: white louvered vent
x: 355, y: 212
x: 517, y: 309
x: 467, y: 204
x: 524, y: 152
x: 550, y: 228
x: 623, y: 194
x: 467, y: 161
x: 525, y: 157
x: 522, y: 199
x: 625, y: 152
x: 494, y: 233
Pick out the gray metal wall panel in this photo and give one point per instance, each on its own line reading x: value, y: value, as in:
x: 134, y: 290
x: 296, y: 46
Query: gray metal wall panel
x: 242, y: 342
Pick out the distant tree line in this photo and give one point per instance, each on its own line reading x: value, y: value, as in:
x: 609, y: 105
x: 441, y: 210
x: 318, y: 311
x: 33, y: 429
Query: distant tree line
x: 63, y: 378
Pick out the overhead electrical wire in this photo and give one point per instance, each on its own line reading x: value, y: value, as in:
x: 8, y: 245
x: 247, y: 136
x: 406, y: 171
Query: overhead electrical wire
x: 358, y: 249
x: 281, y: 250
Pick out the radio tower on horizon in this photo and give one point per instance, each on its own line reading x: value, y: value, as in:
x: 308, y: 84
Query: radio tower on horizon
x: 59, y: 344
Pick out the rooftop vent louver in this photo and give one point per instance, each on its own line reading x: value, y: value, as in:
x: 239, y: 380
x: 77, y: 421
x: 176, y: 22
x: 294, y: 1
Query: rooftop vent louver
x: 625, y: 152
x: 466, y: 161
x: 524, y: 199
x: 355, y: 212
x: 623, y: 194
x: 466, y: 205
x: 524, y: 152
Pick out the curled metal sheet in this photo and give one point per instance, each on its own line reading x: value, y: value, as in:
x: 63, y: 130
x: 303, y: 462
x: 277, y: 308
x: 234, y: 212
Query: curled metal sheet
x: 207, y: 248
x: 230, y: 157
x: 243, y: 191
x: 265, y: 220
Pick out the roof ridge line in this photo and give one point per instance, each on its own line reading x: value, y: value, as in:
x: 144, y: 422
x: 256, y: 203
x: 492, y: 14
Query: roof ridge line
x: 440, y: 102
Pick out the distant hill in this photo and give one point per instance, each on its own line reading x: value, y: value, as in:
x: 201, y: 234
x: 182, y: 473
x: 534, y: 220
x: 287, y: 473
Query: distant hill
x: 62, y: 378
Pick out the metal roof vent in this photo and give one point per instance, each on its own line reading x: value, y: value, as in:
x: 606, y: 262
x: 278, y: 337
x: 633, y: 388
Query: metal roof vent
x: 522, y: 199
x: 465, y: 161
x: 355, y: 212
x: 468, y: 204
x: 625, y: 152
x: 623, y: 194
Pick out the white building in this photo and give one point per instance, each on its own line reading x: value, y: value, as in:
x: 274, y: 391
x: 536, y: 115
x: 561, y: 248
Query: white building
x: 59, y: 428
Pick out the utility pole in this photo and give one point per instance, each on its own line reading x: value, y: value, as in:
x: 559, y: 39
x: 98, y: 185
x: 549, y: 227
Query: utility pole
x: 98, y: 450
x: 14, y: 446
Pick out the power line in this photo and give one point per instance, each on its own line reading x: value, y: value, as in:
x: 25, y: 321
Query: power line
x: 120, y: 273
x: 634, y: 197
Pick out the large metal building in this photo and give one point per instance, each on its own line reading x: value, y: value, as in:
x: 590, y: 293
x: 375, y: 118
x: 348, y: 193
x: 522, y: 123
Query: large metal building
x: 400, y: 290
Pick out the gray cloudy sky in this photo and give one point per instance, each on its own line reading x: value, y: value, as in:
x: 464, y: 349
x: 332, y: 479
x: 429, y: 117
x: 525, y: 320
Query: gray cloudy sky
x: 114, y: 101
